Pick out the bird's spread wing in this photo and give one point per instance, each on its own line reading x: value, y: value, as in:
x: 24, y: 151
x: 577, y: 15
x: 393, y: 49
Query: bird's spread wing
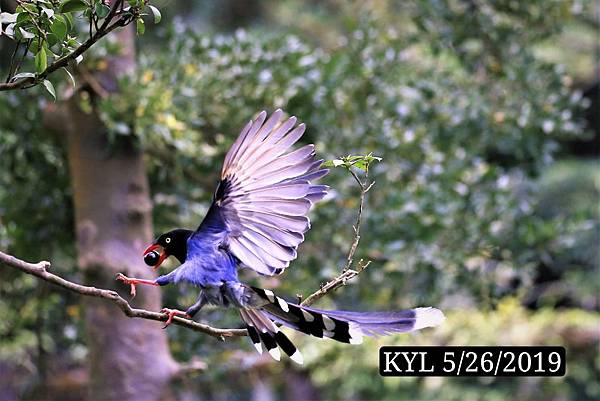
x: 265, y: 193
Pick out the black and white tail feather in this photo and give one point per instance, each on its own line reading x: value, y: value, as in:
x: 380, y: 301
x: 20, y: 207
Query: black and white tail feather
x: 344, y: 326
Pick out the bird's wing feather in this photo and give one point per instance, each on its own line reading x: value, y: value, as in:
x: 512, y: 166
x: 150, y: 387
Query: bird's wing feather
x: 266, y: 192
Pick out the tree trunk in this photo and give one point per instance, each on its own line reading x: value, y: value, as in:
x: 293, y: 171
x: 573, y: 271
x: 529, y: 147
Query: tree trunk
x: 129, y: 358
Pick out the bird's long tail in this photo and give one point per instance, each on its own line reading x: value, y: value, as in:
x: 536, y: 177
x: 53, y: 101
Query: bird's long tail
x: 344, y: 326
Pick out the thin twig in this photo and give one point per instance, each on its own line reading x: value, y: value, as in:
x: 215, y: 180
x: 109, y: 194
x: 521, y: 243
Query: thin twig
x: 347, y: 273
x: 113, y: 10
x: 40, y: 270
x: 336, y: 283
x: 12, y: 61
x: 356, y: 226
x: 20, y: 61
x: 90, y: 28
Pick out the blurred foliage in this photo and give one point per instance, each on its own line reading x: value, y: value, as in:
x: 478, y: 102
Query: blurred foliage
x: 35, y: 209
x: 470, y: 211
x: 568, y: 197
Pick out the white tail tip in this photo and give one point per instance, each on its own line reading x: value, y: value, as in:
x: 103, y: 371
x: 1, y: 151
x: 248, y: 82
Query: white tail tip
x: 356, y: 335
x: 275, y: 353
x: 428, y: 317
x: 258, y: 347
x: 297, y: 357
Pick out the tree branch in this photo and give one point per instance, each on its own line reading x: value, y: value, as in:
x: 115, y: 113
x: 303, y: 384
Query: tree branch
x: 105, y: 29
x: 339, y: 281
x: 40, y: 270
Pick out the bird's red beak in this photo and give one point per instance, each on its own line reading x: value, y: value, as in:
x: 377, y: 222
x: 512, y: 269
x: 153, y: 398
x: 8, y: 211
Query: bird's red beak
x: 163, y: 254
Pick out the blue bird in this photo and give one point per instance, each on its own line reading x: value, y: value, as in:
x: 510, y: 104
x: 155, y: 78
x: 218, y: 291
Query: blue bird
x: 257, y: 219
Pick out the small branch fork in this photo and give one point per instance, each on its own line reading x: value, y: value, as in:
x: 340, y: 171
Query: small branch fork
x: 40, y: 270
x: 116, y: 12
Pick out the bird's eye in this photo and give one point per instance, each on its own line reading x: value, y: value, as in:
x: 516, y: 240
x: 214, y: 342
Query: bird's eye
x: 168, y: 240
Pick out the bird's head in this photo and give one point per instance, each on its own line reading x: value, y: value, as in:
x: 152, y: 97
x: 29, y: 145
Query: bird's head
x: 172, y: 243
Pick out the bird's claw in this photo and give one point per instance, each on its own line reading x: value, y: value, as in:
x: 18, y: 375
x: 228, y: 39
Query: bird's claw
x: 126, y: 280
x: 171, y: 313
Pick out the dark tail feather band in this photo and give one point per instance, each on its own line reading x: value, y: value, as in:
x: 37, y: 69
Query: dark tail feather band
x: 262, y: 331
x: 346, y: 326
x: 264, y: 308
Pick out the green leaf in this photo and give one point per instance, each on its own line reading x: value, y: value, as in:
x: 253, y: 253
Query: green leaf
x: 363, y: 162
x: 69, y: 21
x: 102, y: 10
x: 59, y: 28
x: 22, y: 17
x: 41, y: 60
x: 52, y: 39
x: 156, y: 13
x: 360, y: 162
x: 140, y: 27
x: 73, y: 5
x: 72, y: 42
x: 50, y: 88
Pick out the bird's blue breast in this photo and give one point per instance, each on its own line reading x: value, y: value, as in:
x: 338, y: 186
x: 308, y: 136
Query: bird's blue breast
x: 207, y: 263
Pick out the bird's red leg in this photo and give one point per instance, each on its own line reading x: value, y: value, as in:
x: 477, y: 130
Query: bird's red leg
x: 134, y: 281
x: 171, y: 313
